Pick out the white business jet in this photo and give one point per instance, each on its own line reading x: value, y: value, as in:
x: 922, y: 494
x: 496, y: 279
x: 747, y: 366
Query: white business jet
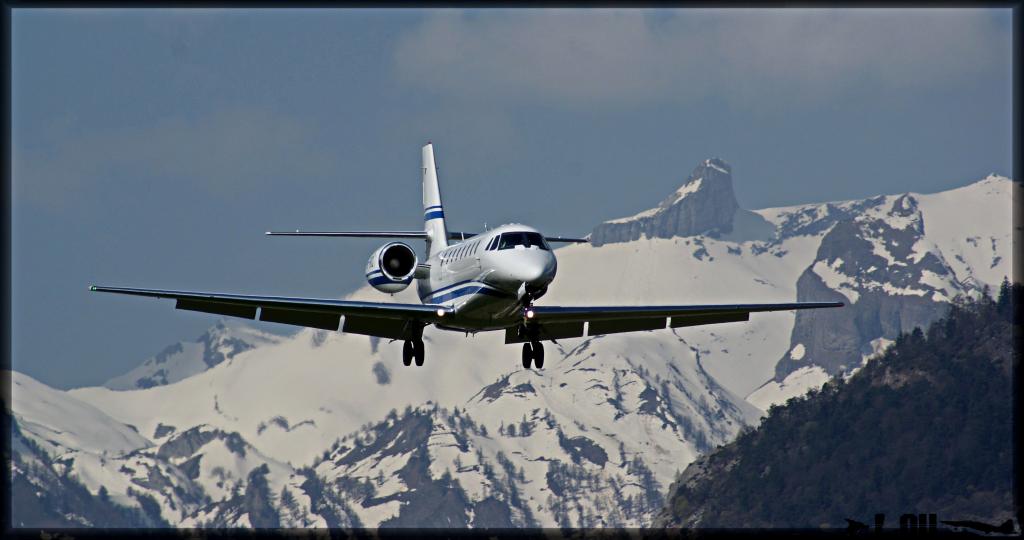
x: 486, y: 281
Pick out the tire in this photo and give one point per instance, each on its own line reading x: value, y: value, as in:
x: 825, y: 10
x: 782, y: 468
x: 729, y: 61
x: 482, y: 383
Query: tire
x: 538, y: 354
x: 418, y: 351
x: 527, y: 355
x: 407, y: 353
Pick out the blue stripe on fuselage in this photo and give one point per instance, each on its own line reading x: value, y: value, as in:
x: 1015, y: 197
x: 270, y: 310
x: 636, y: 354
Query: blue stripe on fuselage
x: 434, y: 298
x: 469, y: 290
x: 449, y: 287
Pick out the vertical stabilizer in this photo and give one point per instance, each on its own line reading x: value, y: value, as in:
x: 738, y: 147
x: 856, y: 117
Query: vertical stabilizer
x: 433, y: 212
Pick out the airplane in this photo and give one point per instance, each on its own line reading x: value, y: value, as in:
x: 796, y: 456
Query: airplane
x: 469, y: 282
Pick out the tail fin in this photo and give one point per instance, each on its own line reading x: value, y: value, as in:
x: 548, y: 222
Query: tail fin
x: 433, y: 212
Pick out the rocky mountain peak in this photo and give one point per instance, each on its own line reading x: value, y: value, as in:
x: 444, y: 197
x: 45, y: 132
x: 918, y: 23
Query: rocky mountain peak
x: 221, y: 342
x: 704, y: 203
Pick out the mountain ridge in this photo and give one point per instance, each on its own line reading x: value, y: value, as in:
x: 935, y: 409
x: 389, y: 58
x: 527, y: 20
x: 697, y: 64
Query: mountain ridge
x: 649, y: 403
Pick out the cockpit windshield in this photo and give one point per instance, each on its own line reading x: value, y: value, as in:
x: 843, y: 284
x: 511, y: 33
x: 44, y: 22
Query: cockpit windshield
x: 510, y: 240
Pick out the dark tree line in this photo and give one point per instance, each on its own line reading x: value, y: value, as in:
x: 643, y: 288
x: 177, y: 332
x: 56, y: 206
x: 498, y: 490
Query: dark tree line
x: 925, y: 428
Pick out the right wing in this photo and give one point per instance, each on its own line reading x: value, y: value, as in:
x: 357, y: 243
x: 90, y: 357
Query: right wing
x: 558, y: 322
x: 394, y: 321
x: 452, y: 235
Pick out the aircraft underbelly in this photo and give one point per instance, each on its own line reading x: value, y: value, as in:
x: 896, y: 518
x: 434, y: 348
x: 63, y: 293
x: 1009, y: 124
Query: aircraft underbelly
x: 481, y: 311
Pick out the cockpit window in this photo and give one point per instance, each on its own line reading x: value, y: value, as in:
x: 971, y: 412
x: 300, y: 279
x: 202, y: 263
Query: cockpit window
x: 510, y: 240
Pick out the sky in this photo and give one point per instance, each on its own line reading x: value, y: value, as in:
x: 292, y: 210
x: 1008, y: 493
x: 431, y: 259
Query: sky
x: 153, y: 147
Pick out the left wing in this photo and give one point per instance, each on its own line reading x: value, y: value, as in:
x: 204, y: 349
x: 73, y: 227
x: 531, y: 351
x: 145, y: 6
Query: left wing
x: 395, y: 321
x: 554, y: 322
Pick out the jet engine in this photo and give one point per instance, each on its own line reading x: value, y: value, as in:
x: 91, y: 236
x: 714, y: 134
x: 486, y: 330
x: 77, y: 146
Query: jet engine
x: 391, y: 267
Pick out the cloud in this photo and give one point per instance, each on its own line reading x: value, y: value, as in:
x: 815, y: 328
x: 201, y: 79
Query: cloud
x: 622, y: 57
x: 230, y: 149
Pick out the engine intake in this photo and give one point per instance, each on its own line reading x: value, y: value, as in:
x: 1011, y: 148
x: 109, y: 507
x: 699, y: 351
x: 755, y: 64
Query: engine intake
x: 391, y: 267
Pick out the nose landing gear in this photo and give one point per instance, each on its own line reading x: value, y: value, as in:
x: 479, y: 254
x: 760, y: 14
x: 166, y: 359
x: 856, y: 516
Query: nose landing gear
x: 413, y: 350
x: 533, y: 352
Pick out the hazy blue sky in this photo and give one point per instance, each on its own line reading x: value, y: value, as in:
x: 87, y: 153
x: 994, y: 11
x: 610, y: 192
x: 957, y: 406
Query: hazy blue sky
x: 153, y: 147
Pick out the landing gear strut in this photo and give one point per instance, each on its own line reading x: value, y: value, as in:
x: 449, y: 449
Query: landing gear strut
x: 413, y: 350
x: 533, y: 352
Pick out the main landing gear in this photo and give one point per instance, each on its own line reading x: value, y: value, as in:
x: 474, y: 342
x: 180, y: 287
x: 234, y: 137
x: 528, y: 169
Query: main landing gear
x: 533, y: 352
x: 413, y: 350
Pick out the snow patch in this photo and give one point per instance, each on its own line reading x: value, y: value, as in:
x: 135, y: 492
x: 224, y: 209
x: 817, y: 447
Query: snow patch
x: 684, y: 190
x: 795, y: 384
x: 641, y: 215
x: 837, y: 281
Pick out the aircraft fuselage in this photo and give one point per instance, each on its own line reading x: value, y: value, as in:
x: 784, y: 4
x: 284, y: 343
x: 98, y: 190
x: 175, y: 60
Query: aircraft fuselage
x: 490, y: 279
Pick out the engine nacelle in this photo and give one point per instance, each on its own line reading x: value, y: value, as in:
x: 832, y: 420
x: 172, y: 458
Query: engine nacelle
x: 391, y: 267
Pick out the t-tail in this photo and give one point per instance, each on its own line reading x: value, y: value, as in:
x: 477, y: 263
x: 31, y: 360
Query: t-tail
x: 433, y: 211
x: 435, y: 231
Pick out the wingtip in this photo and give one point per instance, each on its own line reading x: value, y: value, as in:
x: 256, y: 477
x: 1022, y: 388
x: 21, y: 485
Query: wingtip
x: 92, y: 287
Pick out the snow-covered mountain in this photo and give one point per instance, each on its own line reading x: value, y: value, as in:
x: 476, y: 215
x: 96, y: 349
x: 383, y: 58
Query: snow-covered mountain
x: 329, y: 429
x: 184, y: 359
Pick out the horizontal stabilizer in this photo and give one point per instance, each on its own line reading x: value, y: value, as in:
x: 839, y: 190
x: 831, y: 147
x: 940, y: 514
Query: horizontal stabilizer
x: 353, y: 234
x: 567, y: 239
x: 452, y: 235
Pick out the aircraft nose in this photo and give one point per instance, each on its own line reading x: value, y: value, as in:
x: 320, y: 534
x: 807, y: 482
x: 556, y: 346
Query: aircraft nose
x: 528, y: 273
x: 534, y: 270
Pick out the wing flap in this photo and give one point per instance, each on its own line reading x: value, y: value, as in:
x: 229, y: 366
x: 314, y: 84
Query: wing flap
x: 695, y: 320
x: 549, y: 331
x: 597, y: 328
x: 217, y: 308
x: 312, y: 319
x: 375, y: 326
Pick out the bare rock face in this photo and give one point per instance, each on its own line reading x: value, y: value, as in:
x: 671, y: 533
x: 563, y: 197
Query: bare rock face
x: 879, y: 263
x: 704, y: 203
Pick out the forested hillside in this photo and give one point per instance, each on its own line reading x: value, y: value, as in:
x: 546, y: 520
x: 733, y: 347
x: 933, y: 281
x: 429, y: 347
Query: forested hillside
x: 926, y: 428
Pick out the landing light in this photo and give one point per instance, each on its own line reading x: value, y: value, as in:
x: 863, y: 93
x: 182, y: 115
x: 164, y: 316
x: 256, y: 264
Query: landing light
x: 529, y: 314
x: 440, y: 313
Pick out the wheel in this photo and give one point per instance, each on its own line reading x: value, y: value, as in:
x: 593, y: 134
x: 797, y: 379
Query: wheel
x: 527, y: 355
x: 538, y: 354
x: 418, y: 351
x: 407, y: 353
